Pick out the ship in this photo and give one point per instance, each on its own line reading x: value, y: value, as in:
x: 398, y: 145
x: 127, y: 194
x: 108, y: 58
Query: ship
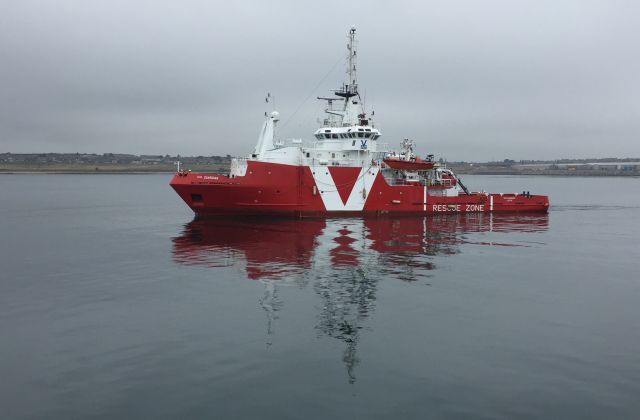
x: 344, y: 170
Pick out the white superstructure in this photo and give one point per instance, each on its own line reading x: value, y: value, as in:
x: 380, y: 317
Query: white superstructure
x: 347, y: 137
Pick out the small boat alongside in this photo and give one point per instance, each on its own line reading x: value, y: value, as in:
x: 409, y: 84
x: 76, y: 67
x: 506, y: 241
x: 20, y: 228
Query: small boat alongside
x: 406, y: 159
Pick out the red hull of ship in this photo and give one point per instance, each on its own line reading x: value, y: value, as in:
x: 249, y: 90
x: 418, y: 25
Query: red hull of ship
x: 269, y: 188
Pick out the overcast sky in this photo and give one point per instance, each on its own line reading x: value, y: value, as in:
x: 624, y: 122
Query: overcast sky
x: 468, y: 80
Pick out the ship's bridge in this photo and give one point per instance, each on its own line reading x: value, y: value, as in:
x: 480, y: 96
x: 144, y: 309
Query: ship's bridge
x: 344, y: 146
x: 354, y: 132
x: 359, y: 138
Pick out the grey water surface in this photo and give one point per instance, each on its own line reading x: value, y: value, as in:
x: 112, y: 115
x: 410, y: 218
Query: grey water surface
x: 114, y: 304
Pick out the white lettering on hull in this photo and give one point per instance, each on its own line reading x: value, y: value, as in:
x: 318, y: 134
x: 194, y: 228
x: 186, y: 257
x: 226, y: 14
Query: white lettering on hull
x: 457, y: 208
x: 475, y: 207
x: 443, y: 208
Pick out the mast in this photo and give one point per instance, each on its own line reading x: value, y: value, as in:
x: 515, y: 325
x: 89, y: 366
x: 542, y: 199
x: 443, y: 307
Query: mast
x: 352, y: 111
x: 350, y: 88
x: 352, y: 60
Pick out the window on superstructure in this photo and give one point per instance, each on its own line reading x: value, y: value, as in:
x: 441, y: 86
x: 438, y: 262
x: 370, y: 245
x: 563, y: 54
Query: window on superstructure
x: 327, y: 136
x: 360, y: 135
x: 367, y: 135
x: 353, y: 143
x: 335, y: 136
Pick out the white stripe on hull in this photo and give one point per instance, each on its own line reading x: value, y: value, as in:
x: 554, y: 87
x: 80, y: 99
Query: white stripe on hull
x: 330, y: 195
x: 424, y: 199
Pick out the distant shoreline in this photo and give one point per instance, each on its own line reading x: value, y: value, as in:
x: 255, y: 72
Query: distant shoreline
x: 109, y: 163
x: 84, y: 172
x: 102, y: 169
x: 158, y: 171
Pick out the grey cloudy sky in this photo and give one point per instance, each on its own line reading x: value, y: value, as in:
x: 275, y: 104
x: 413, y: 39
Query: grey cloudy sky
x: 469, y: 80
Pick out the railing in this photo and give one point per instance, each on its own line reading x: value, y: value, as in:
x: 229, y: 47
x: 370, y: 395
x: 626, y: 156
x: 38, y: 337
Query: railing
x: 238, y: 167
x: 291, y: 142
x: 401, y: 181
x: 382, y: 148
x: 445, y: 183
x: 442, y: 182
x: 333, y: 162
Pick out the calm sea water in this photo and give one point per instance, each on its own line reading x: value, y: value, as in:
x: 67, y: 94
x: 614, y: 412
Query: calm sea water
x: 114, y: 304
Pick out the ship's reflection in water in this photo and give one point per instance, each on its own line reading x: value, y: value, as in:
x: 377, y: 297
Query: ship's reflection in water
x: 343, y: 260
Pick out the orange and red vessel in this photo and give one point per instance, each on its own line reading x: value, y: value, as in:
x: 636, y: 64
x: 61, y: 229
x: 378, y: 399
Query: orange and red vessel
x: 343, y: 170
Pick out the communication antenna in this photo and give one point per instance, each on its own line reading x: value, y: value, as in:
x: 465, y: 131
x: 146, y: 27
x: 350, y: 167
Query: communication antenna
x: 271, y: 99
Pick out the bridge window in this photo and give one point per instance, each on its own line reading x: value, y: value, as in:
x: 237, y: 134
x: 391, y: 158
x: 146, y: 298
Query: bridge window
x: 327, y: 136
x: 360, y: 135
x: 335, y: 136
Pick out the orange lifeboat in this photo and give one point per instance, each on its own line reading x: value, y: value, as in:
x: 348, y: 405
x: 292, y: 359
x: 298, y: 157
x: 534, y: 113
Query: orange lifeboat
x: 407, y: 160
x: 412, y: 164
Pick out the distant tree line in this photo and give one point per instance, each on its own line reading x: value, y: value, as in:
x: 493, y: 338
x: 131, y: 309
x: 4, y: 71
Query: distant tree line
x: 108, y: 158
